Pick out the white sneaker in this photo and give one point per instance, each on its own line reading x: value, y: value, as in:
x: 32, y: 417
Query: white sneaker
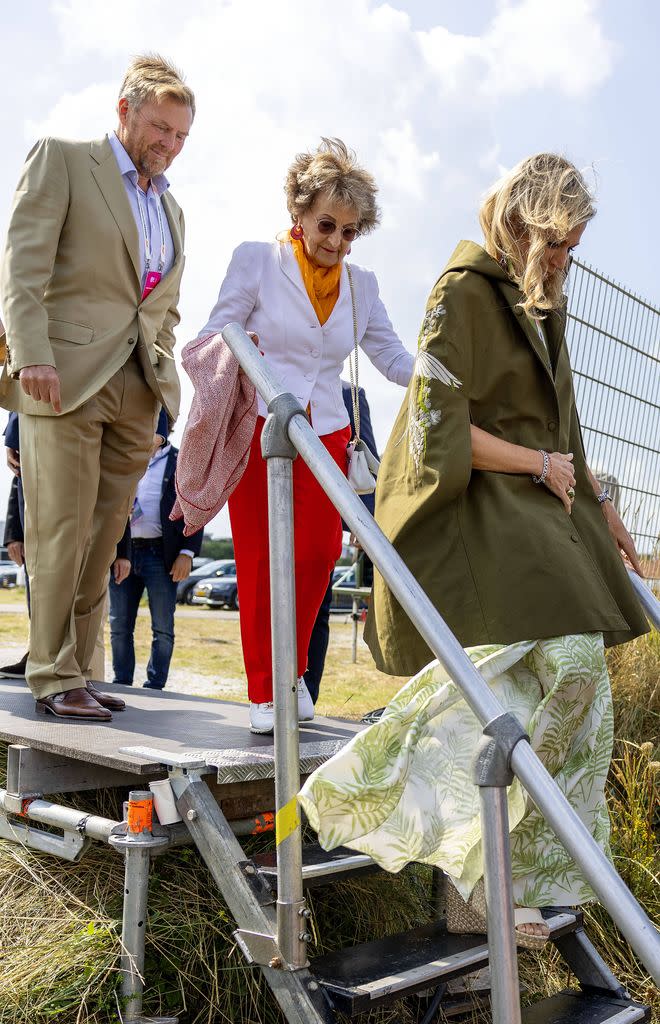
x: 262, y: 717
x: 305, y: 702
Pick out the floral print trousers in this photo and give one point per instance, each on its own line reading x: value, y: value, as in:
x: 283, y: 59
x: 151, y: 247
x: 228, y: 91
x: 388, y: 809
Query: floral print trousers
x: 402, y: 790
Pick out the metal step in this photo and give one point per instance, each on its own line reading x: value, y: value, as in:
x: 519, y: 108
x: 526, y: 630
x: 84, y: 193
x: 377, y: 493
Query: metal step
x: 584, y: 1008
x: 319, y: 866
x: 358, y: 978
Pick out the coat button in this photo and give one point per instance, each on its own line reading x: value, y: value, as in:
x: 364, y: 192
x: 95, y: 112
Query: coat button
x: 552, y: 425
x: 131, y: 341
x: 574, y: 538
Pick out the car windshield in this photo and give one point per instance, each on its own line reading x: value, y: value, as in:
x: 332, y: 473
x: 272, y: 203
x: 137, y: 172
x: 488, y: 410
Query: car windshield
x: 220, y: 567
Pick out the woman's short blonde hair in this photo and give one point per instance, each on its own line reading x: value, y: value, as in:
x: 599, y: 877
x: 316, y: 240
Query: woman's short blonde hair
x: 332, y: 169
x: 151, y: 77
x: 539, y: 202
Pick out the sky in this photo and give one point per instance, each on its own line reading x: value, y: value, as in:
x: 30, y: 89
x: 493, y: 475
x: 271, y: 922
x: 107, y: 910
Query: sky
x: 437, y: 99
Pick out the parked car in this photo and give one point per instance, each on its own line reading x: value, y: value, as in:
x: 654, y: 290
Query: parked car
x: 220, y: 567
x: 217, y: 592
x: 8, y: 574
x: 344, y: 576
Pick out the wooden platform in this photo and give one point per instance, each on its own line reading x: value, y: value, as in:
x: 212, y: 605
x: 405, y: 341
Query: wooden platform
x: 158, y: 728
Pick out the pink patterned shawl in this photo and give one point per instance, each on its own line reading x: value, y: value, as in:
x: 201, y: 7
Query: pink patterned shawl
x: 217, y: 437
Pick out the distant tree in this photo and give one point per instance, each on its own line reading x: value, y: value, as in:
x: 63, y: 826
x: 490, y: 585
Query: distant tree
x: 217, y: 547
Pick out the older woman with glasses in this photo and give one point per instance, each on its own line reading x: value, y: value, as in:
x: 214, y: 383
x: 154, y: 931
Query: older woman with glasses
x: 296, y: 295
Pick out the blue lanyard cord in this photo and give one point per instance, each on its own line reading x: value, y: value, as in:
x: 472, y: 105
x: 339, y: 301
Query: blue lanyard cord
x: 145, y: 231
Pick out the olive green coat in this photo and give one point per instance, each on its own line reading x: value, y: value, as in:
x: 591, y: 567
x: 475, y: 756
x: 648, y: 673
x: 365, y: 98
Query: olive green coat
x: 497, y: 554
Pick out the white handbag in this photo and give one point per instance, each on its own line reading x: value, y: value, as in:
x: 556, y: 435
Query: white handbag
x: 362, y: 463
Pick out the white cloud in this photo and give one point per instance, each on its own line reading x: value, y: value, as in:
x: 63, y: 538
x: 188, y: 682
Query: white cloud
x: 271, y: 76
x: 532, y: 44
x: 541, y: 45
x: 74, y: 115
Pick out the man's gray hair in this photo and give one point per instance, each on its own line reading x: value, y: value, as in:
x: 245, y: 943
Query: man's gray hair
x: 151, y: 77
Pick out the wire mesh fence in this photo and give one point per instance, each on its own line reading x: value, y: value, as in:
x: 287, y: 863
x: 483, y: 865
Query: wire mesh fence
x: 614, y: 342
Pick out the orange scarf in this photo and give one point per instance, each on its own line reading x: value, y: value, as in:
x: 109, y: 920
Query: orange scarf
x: 321, y: 283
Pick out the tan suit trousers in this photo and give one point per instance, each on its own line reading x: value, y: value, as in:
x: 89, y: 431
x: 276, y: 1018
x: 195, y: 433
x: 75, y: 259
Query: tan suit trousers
x: 80, y: 473
x: 97, y: 664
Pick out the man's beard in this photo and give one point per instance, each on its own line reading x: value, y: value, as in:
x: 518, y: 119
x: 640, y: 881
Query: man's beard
x: 148, y: 164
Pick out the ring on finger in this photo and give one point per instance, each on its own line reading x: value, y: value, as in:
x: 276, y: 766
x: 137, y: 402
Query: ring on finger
x: 570, y: 491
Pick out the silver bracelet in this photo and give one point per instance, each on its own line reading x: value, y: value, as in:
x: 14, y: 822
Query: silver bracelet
x: 546, y: 466
x: 603, y: 496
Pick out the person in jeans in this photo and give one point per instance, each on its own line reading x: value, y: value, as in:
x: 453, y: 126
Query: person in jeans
x: 160, y: 558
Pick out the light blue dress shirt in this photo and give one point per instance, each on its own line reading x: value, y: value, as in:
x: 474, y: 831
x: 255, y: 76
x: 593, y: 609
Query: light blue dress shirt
x: 145, y: 517
x: 159, y: 185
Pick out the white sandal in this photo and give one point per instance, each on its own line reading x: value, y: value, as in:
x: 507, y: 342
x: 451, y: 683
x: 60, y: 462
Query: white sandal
x: 470, y: 918
x: 530, y: 915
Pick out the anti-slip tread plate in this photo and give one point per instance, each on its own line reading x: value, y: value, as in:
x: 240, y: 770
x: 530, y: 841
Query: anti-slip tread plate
x: 173, y: 723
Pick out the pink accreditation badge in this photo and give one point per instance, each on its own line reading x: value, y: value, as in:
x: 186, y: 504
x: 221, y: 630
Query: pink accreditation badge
x: 150, y: 282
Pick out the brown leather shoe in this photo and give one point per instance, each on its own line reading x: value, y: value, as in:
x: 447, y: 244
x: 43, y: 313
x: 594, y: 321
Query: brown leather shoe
x: 104, y: 699
x: 77, y: 705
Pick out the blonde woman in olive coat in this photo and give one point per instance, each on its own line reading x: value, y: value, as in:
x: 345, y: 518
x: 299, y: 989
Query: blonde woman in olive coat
x: 485, y: 492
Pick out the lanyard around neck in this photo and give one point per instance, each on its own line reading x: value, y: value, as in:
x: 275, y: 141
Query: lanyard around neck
x: 145, y: 230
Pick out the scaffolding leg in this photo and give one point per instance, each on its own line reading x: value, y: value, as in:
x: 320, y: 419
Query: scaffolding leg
x: 136, y: 846
x: 136, y: 885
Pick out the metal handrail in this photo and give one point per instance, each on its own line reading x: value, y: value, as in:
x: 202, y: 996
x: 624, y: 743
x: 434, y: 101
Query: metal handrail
x: 647, y: 599
x: 605, y: 881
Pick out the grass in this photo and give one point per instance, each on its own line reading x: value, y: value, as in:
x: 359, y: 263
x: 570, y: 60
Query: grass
x: 635, y: 672
x: 208, y: 660
x: 60, y: 923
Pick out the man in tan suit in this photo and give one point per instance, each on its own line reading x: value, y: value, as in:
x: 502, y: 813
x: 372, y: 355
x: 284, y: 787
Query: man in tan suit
x: 90, y: 286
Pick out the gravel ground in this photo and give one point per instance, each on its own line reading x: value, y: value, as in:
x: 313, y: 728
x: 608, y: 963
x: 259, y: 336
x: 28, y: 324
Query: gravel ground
x: 179, y: 681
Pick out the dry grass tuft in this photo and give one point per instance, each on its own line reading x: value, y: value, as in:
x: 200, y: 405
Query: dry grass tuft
x: 635, y: 672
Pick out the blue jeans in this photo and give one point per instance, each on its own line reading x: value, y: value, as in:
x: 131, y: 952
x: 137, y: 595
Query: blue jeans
x: 148, y: 570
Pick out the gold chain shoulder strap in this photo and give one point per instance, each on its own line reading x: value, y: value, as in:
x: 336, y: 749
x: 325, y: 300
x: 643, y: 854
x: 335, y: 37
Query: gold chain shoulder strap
x: 353, y: 371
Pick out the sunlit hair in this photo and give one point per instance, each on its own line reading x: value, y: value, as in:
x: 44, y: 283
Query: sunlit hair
x: 539, y: 202
x: 151, y: 77
x: 333, y: 170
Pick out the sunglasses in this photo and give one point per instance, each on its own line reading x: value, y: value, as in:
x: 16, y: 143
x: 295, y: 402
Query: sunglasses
x: 328, y: 227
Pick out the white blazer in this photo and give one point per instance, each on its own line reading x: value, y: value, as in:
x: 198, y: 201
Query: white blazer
x: 263, y: 291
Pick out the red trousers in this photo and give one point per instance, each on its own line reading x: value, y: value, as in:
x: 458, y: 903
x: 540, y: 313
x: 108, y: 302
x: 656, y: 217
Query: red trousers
x: 317, y: 538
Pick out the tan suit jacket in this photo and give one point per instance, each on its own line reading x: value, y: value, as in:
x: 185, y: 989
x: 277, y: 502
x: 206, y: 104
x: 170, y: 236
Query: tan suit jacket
x: 70, y: 282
